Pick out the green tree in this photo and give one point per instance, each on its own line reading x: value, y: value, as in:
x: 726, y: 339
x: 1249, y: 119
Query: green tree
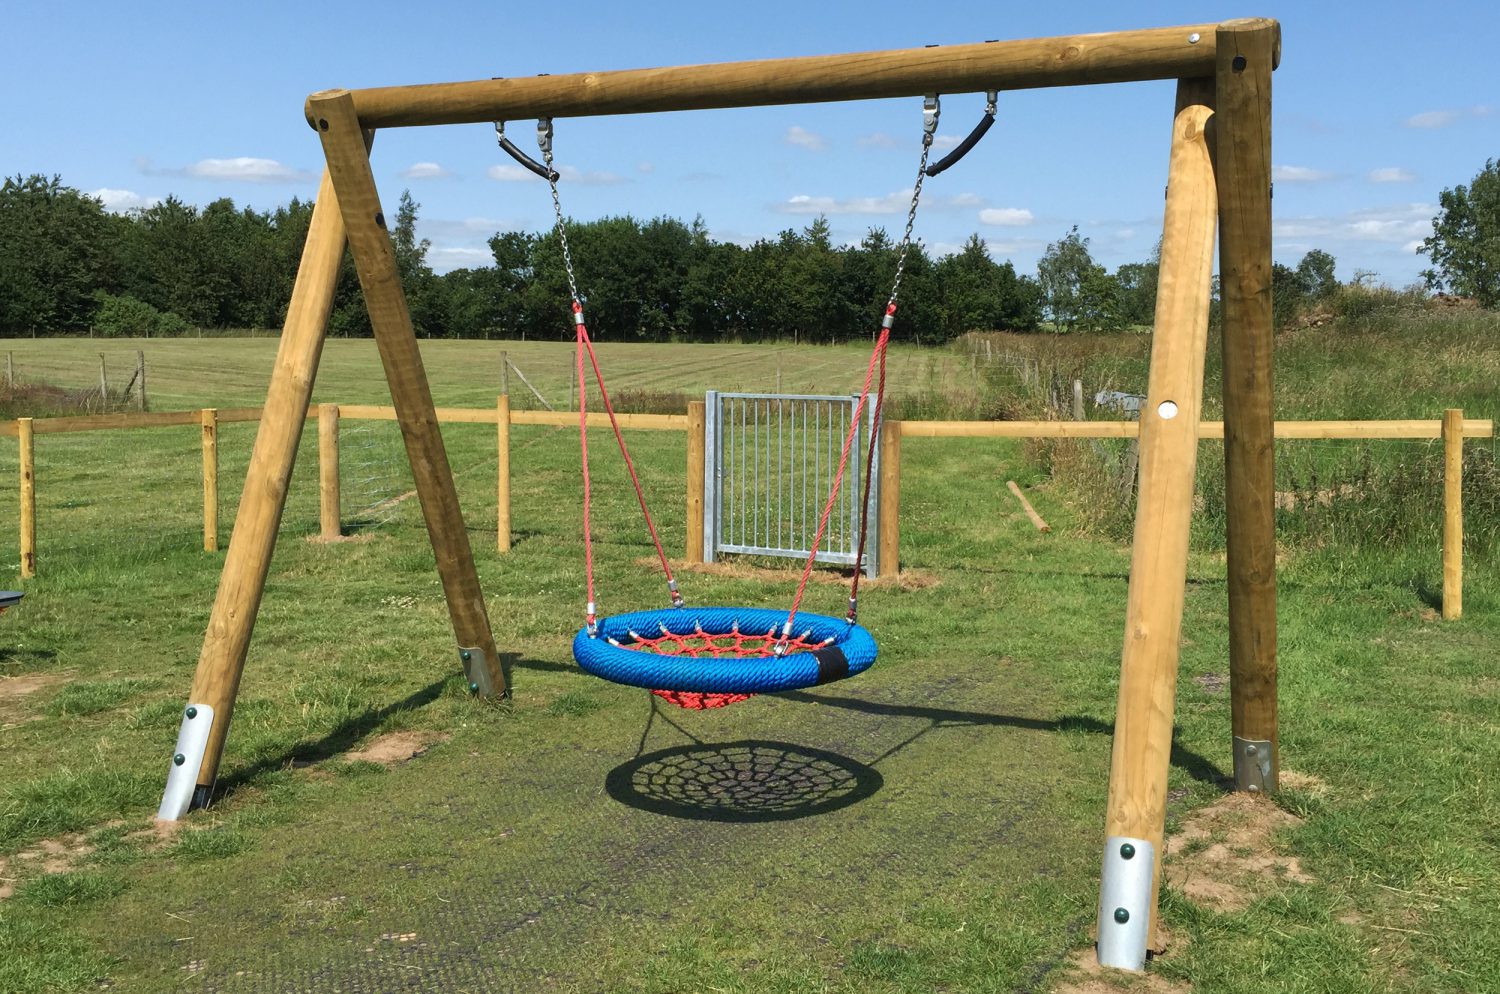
x: 52, y: 255
x: 1061, y: 271
x: 1465, y: 240
x: 1315, y: 273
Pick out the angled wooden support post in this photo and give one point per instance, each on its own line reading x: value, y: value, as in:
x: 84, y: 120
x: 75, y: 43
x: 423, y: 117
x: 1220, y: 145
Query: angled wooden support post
x: 502, y: 481
x: 1247, y: 53
x: 210, y: 421
x: 1159, y: 557
x: 1453, y: 514
x: 200, y: 742
x: 697, y: 466
x: 375, y: 261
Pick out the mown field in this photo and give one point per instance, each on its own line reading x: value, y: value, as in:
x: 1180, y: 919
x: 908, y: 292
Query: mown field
x: 931, y: 825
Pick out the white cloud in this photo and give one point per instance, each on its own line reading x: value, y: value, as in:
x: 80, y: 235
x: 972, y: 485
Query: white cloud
x: 802, y: 138
x: 1299, y: 174
x: 447, y: 257
x: 120, y: 201
x: 1412, y: 246
x: 568, y: 174
x: 1398, y: 224
x: 470, y: 226
x: 897, y: 202
x: 247, y: 169
x: 425, y: 170
x: 1009, y: 217
x: 1391, y: 174
x: 941, y: 143
x: 1432, y: 119
x: 645, y: 167
x: 878, y: 140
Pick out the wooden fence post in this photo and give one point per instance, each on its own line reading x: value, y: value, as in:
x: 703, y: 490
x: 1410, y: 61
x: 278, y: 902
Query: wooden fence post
x: 103, y: 385
x: 888, y: 524
x: 1077, y: 400
x: 28, y: 497
x: 329, y: 525
x: 502, y: 488
x: 697, y: 463
x: 210, y: 420
x: 140, y: 379
x: 1453, y: 514
x: 10, y: 370
x: 505, y: 374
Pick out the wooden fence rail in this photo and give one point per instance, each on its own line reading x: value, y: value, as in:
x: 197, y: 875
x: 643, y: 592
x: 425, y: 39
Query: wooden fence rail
x: 1453, y: 429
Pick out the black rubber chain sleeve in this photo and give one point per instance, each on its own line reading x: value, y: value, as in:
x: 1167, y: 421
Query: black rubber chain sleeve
x: 963, y: 147
x: 526, y: 160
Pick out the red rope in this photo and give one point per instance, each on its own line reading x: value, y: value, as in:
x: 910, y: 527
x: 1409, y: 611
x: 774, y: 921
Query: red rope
x: 584, y: 342
x: 875, y: 357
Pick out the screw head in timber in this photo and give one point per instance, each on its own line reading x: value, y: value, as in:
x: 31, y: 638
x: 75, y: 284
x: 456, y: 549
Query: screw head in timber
x: 1122, y: 916
x: 179, y: 759
x: 1127, y: 851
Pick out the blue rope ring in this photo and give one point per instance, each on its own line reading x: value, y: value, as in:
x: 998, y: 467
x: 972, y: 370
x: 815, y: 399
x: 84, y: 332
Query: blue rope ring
x: 850, y: 649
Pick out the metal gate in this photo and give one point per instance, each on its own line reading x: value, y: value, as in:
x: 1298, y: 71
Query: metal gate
x: 771, y: 462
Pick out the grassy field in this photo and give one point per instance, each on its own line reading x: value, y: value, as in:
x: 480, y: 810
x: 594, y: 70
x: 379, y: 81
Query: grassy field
x: 932, y: 825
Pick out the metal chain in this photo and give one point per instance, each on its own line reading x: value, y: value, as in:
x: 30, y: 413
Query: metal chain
x: 544, y: 142
x: 931, y: 111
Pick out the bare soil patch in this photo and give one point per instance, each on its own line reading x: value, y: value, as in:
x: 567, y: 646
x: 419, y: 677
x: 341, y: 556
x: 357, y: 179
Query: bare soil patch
x: 908, y: 579
x: 1224, y: 856
x: 59, y: 855
x: 14, y: 690
x: 340, y: 539
x: 1084, y: 975
x: 394, y: 748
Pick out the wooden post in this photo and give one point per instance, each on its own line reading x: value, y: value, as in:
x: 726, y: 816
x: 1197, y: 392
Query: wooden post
x: 140, y: 379
x: 1247, y: 54
x: 10, y: 370
x: 1453, y: 514
x: 1077, y: 400
x: 375, y: 262
x: 210, y: 420
x: 505, y: 374
x: 251, y: 544
x: 572, y: 376
x: 330, y: 526
x: 28, y: 497
x: 888, y: 525
x: 502, y: 488
x: 103, y: 384
x: 1159, y: 556
x: 697, y: 466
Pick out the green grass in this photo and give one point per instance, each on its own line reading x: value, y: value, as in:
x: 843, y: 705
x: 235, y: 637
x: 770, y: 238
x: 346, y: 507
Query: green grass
x: 502, y: 858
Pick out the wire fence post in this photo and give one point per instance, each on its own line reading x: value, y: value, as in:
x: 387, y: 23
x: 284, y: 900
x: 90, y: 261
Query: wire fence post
x: 697, y: 414
x: 28, y: 497
x: 1453, y: 514
x: 502, y: 488
x: 140, y: 379
x: 103, y: 385
x: 210, y: 421
x: 329, y: 526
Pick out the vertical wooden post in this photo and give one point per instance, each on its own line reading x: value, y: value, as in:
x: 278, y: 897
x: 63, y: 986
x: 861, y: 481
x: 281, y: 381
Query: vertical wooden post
x: 330, y: 526
x: 1453, y: 514
x: 10, y: 370
x: 1077, y: 400
x: 888, y: 523
x: 1159, y: 556
x: 572, y: 385
x: 697, y: 466
x: 28, y: 497
x: 243, y: 579
x: 505, y: 374
x: 1248, y: 51
x: 375, y: 262
x: 210, y: 420
x: 502, y: 483
x: 140, y: 379
x: 103, y: 384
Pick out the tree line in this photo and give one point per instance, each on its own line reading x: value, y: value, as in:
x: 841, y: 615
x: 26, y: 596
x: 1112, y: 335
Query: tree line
x: 68, y: 265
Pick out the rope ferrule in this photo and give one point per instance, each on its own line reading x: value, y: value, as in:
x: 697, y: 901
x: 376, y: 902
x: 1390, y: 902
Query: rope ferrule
x: 677, y: 600
x: 591, y: 617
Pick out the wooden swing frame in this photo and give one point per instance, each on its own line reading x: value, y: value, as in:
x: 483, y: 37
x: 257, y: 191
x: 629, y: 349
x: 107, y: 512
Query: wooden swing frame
x: 1219, y: 175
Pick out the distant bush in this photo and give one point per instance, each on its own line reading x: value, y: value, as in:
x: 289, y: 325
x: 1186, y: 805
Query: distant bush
x: 128, y: 317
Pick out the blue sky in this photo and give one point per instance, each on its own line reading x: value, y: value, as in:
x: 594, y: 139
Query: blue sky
x: 1378, y: 107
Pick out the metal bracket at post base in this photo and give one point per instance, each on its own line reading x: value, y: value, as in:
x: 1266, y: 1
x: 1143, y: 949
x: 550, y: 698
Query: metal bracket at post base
x: 1125, y: 902
x: 477, y: 671
x: 183, y: 792
x: 1253, y: 770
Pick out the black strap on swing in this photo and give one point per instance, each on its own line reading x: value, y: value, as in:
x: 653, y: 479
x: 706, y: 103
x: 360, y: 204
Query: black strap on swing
x: 511, y: 149
x: 965, y: 146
